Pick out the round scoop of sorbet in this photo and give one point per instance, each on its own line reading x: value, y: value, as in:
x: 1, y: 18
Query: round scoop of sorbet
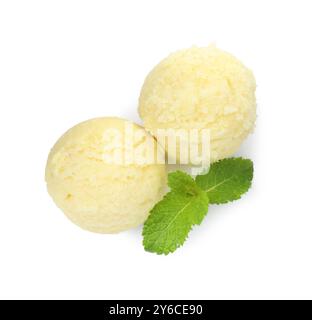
x: 201, y: 88
x: 94, y: 189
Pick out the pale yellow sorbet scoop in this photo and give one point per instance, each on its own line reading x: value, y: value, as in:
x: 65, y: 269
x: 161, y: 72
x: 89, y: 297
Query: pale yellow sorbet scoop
x: 201, y: 88
x: 96, y: 194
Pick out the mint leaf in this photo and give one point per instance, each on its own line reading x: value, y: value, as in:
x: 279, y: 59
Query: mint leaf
x: 227, y: 180
x: 186, y: 205
x: 171, y: 220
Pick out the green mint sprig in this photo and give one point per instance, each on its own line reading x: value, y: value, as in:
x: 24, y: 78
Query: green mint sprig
x: 186, y: 205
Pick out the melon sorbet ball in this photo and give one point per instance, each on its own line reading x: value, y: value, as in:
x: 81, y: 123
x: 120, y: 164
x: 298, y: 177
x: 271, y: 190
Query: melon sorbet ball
x: 201, y: 88
x: 98, y: 195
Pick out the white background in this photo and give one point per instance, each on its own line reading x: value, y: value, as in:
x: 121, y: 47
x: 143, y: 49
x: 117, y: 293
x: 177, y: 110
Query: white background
x: 62, y: 62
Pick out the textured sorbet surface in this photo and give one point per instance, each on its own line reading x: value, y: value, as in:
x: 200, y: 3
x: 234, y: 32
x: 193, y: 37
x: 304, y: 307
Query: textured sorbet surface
x: 201, y: 88
x: 94, y: 194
